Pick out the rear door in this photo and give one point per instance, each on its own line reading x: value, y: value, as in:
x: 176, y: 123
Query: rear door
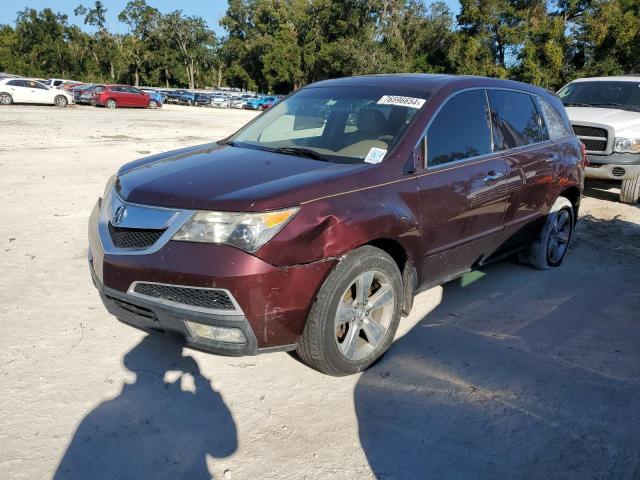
x: 462, y: 189
x: 18, y: 90
x: 519, y: 132
x: 137, y: 97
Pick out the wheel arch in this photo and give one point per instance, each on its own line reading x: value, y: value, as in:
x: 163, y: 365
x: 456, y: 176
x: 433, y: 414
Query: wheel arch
x: 573, y: 195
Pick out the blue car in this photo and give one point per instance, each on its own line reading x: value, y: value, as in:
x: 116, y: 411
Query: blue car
x: 260, y: 103
x: 154, y: 95
x: 181, y: 96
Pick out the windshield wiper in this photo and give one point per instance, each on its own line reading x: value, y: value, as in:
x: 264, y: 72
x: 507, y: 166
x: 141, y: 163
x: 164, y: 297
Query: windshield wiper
x: 574, y: 104
x: 231, y: 143
x: 614, y: 104
x: 301, y: 152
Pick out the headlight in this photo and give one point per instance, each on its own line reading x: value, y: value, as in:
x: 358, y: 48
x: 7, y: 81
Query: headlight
x: 109, y: 186
x: 247, y: 231
x: 627, y: 145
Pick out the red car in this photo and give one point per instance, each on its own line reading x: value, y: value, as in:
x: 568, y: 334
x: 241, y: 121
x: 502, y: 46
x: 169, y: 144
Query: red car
x: 313, y: 227
x: 114, y: 96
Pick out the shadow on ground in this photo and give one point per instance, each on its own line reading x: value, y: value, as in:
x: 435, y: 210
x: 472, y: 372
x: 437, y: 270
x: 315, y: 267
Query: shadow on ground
x: 516, y: 374
x: 161, y: 426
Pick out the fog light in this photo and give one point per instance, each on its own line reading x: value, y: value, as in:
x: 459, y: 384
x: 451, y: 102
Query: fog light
x: 216, y: 334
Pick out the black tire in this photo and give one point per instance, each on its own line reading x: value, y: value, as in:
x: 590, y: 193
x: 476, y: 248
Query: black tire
x: 558, y: 230
x: 60, y: 101
x: 111, y: 103
x: 153, y: 104
x: 318, y: 346
x: 5, y: 99
x: 630, y: 190
x: 189, y: 102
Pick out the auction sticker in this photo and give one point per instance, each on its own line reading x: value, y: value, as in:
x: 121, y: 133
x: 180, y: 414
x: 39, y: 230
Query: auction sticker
x: 375, y: 155
x: 410, y: 102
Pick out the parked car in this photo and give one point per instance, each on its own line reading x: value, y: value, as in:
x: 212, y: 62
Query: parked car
x: 57, y: 82
x: 182, y: 97
x: 24, y: 90
x: 155, y: 96
x: 202, y: 99
x: 255, y: 103
x: 237, y: 102
x: 219, y: 101
x: 80, y: 90
x: 114, y: 96
x: 267, y: 102
x: 322, y: 231
x: 605, y: 114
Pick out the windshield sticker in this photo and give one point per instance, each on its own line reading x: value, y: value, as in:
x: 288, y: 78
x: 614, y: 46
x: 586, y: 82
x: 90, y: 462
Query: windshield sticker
x: 375, y: 155
x: 410, y: 102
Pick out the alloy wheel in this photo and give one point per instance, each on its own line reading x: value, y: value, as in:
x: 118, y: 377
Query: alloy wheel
x: 5, y: 99
x: 559, y: 236
x: 60, y: 101
x: 364, y: 315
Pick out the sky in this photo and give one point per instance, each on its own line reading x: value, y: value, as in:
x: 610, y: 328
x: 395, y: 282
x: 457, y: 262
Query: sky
x: 211, y: 10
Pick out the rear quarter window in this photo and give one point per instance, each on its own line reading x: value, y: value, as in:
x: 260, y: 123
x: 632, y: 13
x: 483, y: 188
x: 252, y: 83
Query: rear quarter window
x: 553, y: 121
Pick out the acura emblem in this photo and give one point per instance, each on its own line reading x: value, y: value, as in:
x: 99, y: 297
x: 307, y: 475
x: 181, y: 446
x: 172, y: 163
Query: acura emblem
x: 119, y: 215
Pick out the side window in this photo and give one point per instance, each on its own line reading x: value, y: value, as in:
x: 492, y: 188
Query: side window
x: 460, y: 129
x: 18, y: 83
x: 515, y: 119
x: 553, y: 121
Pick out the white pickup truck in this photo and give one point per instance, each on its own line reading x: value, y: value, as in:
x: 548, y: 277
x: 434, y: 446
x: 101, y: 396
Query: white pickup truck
x: 605, y: 114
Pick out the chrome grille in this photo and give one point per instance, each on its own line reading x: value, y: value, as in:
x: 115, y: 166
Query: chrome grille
x: 209, y: 298
x: 133, y: 237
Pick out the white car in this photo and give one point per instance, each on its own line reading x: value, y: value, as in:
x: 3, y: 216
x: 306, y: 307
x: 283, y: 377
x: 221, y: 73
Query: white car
x: 219, y: 101
x: 24, y: 90
x: 605, y: 114
x: 57, y: 82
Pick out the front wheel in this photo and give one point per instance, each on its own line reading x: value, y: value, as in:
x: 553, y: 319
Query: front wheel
x: 356, y: 314
x: 550, y: 246
x: 60, y: 101
x: 153, y: 104
x: 5, y: 99
x: 111, y: 103
x: 630, y: 190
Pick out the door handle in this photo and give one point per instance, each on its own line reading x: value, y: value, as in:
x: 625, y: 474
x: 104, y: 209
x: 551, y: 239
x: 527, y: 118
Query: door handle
x: 552, y: 157
x: 493, y: 176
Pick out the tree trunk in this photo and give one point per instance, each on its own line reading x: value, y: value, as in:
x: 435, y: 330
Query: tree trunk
x: 136, y: 77
x: 219, y: 77
x: 112, y: 71
x: 166, y: 77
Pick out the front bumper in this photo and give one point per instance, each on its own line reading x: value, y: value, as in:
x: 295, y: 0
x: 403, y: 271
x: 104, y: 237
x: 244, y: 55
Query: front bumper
x: 274, y: 301
x: 616, y: 166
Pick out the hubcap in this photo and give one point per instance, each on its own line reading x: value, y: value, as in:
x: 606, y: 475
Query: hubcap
x: 559, y: 236
x: 4, y: 99
x: 364, y: 315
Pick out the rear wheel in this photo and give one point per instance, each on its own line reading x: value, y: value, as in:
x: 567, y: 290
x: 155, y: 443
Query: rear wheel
x: 111, y: 103
x: 549, y: 248
x: 153, y: 104
x: 60, y: 101
x: 355, y: 315
x: 5, y: 99
x: 630, y: 190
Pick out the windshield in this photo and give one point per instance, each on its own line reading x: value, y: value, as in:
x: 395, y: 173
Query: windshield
x: 336, y: 124
x: 615, y: 94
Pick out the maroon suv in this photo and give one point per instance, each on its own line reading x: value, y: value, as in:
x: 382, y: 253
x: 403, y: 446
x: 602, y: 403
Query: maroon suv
x: 313, y: 227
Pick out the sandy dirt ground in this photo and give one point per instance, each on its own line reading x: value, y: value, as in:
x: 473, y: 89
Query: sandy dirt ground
x: 505, y: 373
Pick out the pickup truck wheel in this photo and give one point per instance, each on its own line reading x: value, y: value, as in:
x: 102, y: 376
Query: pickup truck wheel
x: 5, y: 99
x: 355, y: 315
x: 630, y: 191
x: 111, y: 103
x: 60, y: 101
x: 548, y: 249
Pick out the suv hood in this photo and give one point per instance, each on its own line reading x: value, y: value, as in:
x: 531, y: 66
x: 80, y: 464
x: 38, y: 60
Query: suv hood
x: 225, y: 178
x: 618, y: 119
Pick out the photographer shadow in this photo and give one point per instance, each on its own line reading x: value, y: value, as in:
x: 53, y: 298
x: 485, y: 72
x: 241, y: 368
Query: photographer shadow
x: 163, y: 425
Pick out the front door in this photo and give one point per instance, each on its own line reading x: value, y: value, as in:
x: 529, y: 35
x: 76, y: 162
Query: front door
x: 462, y: 189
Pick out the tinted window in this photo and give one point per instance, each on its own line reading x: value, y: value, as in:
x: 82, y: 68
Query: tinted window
x: 515, y: 119
x: 553, y: 121
x: 460, y: 129
x: 16, y: 83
